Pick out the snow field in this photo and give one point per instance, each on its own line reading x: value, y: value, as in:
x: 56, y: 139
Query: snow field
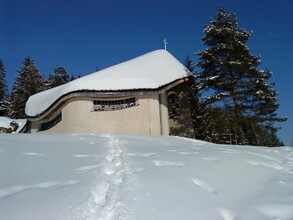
x: 103, y: 176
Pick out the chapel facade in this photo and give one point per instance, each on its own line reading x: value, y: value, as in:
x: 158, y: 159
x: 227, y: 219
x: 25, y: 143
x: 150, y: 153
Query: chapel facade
x: 157, y: 106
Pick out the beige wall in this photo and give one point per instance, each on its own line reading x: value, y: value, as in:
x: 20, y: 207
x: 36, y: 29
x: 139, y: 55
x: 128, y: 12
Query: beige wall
x: 164, y: 114
x: 78, y: 117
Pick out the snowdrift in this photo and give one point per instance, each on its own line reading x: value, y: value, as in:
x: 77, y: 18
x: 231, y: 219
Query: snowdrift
x: 134, y: 177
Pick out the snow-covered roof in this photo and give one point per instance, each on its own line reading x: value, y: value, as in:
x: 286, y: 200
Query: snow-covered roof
x: 5, y: 123
x: 149, y: 71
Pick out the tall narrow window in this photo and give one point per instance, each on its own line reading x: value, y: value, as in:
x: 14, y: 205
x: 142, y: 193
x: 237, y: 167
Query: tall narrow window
x: 173, y: 106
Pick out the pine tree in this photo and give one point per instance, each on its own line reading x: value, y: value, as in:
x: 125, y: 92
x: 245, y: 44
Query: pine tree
x: 3, y: 90
x: 230, y: 77
x: 200, y: 111
x: 28, y: 82
x: 265, y: 99
x: 189, y: 64
x: 72, y: 78
x: 59, y: 77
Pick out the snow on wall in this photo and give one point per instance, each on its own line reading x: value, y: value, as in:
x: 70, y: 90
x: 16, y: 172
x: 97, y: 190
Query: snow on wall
x: 149, y: 71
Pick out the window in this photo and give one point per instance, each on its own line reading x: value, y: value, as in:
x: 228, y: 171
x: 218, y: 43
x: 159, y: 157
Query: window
x: 173, y: 106
x: 112, y: 105
x: 52, y: 123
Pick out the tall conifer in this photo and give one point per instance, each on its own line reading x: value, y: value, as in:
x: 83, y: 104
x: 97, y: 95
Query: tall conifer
x: 200, y: 111
x: 3, y: 90
x: 28, y: 82
x: 232, y: 81
x: 59, y: 77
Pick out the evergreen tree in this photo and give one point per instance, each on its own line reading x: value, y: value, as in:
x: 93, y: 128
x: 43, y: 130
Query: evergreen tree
x: 265, y: 99
x: 230, y: 77
x: 72, y: 78
x: 200, y: 111
x: 59, y: 77
x: 28, y: 82
x: 189, y: 64
x: 3, y: 90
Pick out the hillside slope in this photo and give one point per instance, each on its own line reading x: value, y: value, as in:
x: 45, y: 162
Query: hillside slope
x: 135, y: 177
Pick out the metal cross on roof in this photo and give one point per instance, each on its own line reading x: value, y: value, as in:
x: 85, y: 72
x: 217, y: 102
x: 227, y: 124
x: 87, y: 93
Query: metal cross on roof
x: 165, y: 43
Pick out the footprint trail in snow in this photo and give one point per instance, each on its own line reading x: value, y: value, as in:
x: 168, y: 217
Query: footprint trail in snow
x: 105, y: 199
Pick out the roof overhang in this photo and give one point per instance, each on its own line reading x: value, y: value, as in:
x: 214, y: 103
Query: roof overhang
x: 106, y: 94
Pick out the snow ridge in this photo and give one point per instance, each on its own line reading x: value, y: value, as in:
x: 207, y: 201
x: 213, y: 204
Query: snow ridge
x: 105, y: 199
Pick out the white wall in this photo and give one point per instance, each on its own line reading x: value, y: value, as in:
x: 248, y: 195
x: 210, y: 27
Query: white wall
x: 78, y: 117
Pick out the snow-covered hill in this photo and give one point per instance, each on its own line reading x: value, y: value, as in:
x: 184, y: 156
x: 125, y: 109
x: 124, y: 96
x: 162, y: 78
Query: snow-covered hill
x: 135, y: 177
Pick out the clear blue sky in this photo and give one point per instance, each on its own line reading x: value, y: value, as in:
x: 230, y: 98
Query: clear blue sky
x: 81, y: 35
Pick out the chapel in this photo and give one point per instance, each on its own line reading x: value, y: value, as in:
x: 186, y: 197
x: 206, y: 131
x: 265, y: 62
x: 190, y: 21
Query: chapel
x: 147, y: 95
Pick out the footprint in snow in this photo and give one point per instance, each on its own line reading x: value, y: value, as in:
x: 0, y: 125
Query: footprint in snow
x: 160, y: 163
x: 187, y: 153
x: 276, y: 211
x: 81, y: 155
x: 110, y: 157
x: 227, y: 214
x: 141, y: 154
x: 33, y: 154
x: 183, y: 152
x: 109, y: 170
x: 195, y: 148
x: 266, y: 157
x: 205, y: 186
x: 209, y: 158
x: 86, y: 169
x: 139, y: 169
x: 271, y: 165
x: 281, y: 182
x: 230, y: 151
x: 50, y: 185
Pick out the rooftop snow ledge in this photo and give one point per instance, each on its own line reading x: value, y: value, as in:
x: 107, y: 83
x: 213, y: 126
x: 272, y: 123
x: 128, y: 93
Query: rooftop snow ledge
x: 149, y: 71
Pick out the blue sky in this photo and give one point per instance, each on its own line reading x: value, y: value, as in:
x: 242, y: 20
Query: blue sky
x: 82, y: 35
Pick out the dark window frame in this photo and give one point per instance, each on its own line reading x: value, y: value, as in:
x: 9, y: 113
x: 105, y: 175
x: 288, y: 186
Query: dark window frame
x: 52, y: 123
x: 174, y: 106
x: 113, y: 105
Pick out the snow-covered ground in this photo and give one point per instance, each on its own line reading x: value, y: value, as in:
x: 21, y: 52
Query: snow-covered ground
x: 136, y: 177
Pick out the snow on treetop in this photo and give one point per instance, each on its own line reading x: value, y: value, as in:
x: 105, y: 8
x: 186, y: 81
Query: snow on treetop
x: 149, y: 71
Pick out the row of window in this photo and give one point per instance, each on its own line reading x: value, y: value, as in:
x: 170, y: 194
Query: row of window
x: 110, y: 105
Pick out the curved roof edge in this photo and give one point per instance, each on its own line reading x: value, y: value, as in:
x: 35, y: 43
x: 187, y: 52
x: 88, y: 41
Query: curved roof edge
x: 92, y: 93
x: 150, y: 71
